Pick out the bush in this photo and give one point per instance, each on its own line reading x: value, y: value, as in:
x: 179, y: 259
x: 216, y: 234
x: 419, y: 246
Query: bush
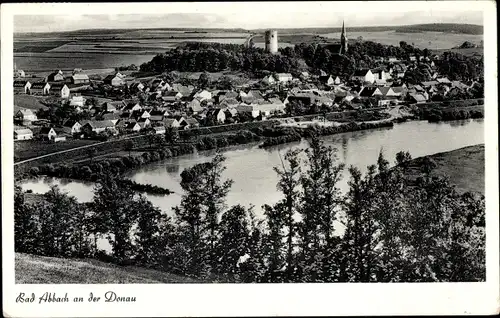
x: 222, y: 142
x: 206, y: 143
x: 34, y: 171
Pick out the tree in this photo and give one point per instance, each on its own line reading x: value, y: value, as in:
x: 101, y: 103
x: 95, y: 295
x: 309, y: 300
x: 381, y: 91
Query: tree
x: 358, y: 240
x: 60, y: 223
x: 172, y: 135
x: 288, y: 184
x: 26, y: 233
x: 148, y: 235
x: 159, y: 141
x: 234, y: 241
x: 198, y: 215
x: 129, y: 145
x: 91, y: 152
x: 115, y: 214
x: 151, y: 140
x: 92, y: 102
x: 204, y: 80
x: 319, y: 208
x: 214, y: 196
x: 225, y: 83
x: 296, y: 108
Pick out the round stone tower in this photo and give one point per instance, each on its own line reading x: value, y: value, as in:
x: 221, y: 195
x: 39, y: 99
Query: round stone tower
x: 271, y: 39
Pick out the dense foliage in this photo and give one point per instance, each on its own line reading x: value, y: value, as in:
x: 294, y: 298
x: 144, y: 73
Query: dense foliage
x: 117, y: 166
x: 388, y: 227
x: 435, y: 115
x: 460, y: 67
x: 215, y: 57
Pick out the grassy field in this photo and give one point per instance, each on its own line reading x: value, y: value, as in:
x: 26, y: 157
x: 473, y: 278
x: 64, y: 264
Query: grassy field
x: 33, y: 269
x: 41, y: 62
x: 31, y: 148
x: 464, y: 167
x: 430, y: 40
x: 28, y: 101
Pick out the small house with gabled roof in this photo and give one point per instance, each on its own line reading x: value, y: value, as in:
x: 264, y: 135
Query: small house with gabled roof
x: 133, y: 127
x: 23, y: 134
x: 114, y: 80
x: 80, y: 78
x: 71, y: 127
x: 22, y: 86
x: 47, y: 133
x: 97, y: 126
x: 25, y: 115
x: 40, y: 88
x: 363, y: 75
x: 56, y: 76
x: 60, y: 89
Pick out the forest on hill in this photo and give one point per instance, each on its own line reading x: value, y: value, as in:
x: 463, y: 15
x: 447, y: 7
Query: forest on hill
x: 215, y: 57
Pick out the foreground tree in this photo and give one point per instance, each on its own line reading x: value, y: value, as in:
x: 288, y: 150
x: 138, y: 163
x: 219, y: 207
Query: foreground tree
x: 26, y: 231
x: 148, y: 242
x: 115, y: 214
x: 285, y: 210
x: 234, y: 241
x: 318, y: 211
x: 200, y: 210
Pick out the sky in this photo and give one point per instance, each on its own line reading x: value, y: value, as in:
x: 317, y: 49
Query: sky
x: 246, y: 15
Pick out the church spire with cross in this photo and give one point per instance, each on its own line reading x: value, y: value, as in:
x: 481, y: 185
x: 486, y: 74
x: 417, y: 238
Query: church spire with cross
x: 343, y: 40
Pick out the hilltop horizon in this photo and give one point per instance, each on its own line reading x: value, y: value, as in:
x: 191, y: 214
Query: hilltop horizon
x: 245, y: 16
x: 415, y: 26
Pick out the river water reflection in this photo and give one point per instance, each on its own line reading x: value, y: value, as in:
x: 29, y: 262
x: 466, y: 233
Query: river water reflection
x: 251, y: 168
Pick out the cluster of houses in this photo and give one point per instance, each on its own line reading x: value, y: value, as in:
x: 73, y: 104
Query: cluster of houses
x: 172, y: 105
x: 54, y: 84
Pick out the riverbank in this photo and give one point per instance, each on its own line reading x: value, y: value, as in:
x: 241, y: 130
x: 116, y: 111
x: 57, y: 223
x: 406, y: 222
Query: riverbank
x: 270, y: 133
x: 464, y: 167
x: 29, y: 154
x: 293, y: 134
x: 445, y: 111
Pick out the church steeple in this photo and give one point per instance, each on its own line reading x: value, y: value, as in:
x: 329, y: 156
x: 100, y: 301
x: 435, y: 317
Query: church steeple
x: 343, y: 40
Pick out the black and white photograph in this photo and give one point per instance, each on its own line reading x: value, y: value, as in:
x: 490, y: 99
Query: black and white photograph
x: 249, y: 146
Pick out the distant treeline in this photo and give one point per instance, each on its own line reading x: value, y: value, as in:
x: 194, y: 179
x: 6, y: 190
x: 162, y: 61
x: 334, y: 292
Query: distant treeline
x: 443, y: 27
x: 434, y: 27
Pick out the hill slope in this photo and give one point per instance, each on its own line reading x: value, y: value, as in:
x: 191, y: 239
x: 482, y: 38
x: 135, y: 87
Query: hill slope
x: 33, y: 269
x: 464, y: 167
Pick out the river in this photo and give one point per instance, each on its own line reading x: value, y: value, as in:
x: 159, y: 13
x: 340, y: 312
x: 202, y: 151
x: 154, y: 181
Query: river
x: 251, y: 168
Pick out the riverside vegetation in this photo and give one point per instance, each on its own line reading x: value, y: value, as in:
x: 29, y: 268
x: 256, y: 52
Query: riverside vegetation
x: 171, y: 145
x: 394, y: 229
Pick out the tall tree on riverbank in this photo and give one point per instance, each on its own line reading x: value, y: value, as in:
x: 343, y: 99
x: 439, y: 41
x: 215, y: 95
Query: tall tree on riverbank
x: 318, y: 211
x: 25, y: 225
x: 200, y: 210
x: 148, y: 234
x: 285, y: 210
x: 235, y: 240
x: 215, y: 192
x: 115, y: 213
